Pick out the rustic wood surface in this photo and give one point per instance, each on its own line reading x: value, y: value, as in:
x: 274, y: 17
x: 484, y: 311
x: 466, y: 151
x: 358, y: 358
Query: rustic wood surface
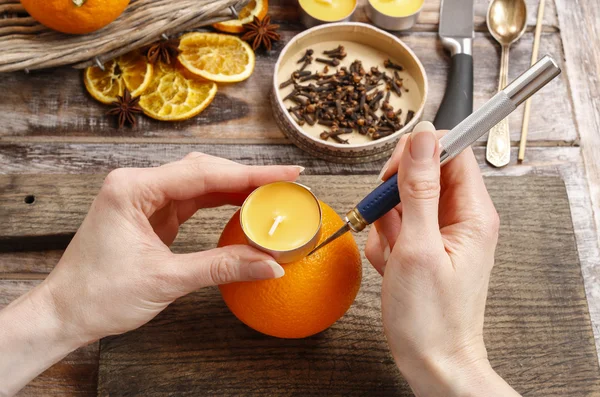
x: 53, y: 105
x: 582, y: 49
x: 537, y: 333
x: 522, y: 203
x: 50, y: 126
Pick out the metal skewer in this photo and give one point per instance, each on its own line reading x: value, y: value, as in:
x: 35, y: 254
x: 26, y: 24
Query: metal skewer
x: 386, y: 196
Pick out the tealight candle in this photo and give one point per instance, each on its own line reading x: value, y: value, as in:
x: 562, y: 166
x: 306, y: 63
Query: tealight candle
x: 394, y: 14
x: 397, y: 8
x: 315, y: 12
x: 282, y: 219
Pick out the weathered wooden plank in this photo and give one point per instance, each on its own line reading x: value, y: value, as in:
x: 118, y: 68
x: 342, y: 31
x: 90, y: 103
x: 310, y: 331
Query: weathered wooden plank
x: 99, y: 158
x: 582, y: 52
x: 53, y: 105
x: 537, y: 333
x: 75, y: 375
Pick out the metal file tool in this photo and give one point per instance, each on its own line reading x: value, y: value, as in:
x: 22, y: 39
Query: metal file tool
x: 386, y: 196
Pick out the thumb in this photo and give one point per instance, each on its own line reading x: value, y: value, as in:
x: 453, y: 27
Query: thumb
x: 419, y: 184
x: 225, y: 265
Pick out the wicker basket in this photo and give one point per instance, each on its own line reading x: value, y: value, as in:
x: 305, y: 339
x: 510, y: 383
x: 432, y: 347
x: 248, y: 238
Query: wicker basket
x: 26, y: 45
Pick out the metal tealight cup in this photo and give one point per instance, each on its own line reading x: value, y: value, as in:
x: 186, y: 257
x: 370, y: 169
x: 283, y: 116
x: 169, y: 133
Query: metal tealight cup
x: 389, y: 22
x: 291, y: 255
x: 310, y: 21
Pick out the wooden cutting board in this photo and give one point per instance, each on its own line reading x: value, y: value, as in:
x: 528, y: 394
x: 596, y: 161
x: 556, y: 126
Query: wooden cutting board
x: 537, y: 327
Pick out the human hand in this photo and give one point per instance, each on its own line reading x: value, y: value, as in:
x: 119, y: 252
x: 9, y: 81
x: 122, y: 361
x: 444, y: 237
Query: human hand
x: 435, y: 252
x: 118, y: 271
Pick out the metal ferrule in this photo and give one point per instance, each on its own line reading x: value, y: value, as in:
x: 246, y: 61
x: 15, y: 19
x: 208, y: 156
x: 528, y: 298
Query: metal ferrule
x: 458, y: 45
x: 355, y: 220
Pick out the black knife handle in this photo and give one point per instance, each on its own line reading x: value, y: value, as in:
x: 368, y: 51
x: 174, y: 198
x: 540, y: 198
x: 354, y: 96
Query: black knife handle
x: 457, y: 104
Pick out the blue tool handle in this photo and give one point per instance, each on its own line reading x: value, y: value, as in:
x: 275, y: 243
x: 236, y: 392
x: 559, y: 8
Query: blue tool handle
x: 380, y: 201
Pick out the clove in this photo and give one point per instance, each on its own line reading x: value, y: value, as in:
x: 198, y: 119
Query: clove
x: 388, y: 63
x: 306, y: 56
x: 339, y: 48
x: 287, y: 83
x: 330, y: 62
x: 309, y: 119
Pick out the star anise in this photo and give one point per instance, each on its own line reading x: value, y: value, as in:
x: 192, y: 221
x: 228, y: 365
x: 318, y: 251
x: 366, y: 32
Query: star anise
x: 261, y: 32
x: 163, y: 50
x: 125, y: 107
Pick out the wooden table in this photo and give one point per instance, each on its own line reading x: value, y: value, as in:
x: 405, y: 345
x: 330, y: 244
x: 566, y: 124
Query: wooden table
x: 51, y: 126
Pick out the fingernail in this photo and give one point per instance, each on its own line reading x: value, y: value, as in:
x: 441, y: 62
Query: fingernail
x: 300, y: 168
x: 424, y: 126
x: 383, y: 170
x: 422, y: 145
x: 264, y: 270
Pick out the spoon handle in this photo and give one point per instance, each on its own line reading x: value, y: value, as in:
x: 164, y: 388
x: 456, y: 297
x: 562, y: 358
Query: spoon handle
x: 498, y: 146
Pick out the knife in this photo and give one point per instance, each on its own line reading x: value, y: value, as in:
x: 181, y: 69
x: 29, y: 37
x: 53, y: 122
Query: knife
x: 386, y: 196
x: 456, y: 32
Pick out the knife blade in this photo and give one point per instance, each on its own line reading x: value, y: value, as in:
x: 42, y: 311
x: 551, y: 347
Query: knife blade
x: 456, y: 32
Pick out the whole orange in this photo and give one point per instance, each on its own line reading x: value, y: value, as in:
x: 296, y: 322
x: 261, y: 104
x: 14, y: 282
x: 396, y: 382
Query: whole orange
x: 75, y: 16
x: 312, y: 295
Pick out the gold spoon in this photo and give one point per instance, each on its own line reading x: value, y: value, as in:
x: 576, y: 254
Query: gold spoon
x: 506, y: 21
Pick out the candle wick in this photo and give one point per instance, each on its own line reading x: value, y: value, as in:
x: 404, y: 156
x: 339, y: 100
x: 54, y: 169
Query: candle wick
x: 276, y: 222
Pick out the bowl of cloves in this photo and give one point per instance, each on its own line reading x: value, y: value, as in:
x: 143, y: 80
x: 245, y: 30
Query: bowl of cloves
x: 346, y: 92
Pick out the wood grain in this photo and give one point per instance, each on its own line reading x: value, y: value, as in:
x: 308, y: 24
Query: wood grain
x: 75, y: 375
x: 582, y: 51
x: 538, y: 333
x: 559, y: 161
x: 53, y: 104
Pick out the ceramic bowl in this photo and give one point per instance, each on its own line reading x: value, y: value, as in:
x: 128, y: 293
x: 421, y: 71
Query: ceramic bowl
x: 378, y: 45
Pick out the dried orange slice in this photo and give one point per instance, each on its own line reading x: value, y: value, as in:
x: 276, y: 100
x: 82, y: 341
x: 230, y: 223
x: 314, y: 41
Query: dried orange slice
x: 255, y: 8
x: 171, y: 96
x: 130, y: 70
x: 216, y: 57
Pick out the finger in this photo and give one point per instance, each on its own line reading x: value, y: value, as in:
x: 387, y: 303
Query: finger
x: 194, y: 157
x: 377, y: 251
x: 389, y: 226
x: 391, y: 166
x: 419, y: 185
x: 193, y: 179
x: 224, y: 265
x: 463, y: 187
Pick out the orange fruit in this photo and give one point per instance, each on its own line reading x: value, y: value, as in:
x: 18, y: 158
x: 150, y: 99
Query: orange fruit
x: 216, y: 57
x: 173, y: 96
x: 75, y: 16
x: 255, y: 8
x: 312, y: 295
x: 131, y: 71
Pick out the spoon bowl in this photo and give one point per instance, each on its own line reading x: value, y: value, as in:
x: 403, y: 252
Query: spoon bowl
x: 507, y: 20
